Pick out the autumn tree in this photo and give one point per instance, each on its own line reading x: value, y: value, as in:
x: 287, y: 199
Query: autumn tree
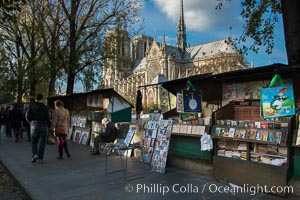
x: 87, y: 21
x: 9, y: 8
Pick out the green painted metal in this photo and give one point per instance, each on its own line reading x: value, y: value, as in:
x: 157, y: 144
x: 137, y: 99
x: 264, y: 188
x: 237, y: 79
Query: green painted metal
x: 188, y: 147
x: 121, y: 115
x: 296, y: 163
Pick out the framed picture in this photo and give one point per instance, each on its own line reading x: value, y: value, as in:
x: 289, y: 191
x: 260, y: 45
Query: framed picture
x: 129, y: 136
x: 84, y: 137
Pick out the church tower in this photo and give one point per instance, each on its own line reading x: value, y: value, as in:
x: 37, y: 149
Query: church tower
x: 181, y: 33
x: 118, y: 59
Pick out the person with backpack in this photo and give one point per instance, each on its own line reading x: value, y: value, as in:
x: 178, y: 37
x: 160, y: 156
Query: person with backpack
x: 38, y: 116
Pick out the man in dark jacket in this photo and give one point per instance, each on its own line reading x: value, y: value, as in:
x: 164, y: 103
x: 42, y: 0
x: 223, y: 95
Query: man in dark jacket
x: 109, y: 135
x: 38, y: 116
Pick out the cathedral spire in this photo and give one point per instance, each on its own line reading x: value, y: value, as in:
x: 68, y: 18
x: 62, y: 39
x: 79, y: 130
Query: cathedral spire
x: 181, y: 34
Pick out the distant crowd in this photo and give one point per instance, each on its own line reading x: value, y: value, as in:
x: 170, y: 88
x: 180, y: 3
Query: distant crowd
x: 13, y: 122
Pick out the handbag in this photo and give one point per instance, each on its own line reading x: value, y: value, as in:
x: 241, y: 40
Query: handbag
x: 51, y: 139
x: 277, y: 101
x: 60, y: 129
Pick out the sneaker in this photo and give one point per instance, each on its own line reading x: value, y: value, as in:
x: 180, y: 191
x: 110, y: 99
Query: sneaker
x: 40, y: 161
x: 95, y: 153
x: 59, y: 158
x: 34, y: 158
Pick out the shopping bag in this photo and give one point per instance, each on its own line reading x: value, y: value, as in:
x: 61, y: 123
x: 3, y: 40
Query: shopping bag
x: 189, y: 100
x: 277, y: 101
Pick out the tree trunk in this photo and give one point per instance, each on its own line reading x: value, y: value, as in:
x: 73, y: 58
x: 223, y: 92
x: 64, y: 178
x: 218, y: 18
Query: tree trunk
x: 70, y: 84
x: 51, y: 89
x: 291, y: 24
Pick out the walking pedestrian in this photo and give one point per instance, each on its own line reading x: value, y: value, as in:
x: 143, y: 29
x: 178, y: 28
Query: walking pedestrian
x: 60, y: 126
x: 2, y: 121
x: 25, y: 125
x: 38, y: 116
x: 16, y: 118
x: 7, y: 121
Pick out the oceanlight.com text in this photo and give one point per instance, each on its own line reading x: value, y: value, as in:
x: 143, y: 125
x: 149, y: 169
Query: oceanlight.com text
x: 206, y: 188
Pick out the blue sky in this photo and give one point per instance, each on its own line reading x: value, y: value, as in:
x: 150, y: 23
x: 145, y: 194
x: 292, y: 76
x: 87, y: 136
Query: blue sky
x: 205, y: 24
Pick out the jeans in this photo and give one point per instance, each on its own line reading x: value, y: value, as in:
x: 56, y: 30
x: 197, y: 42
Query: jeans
x: 38, y: 132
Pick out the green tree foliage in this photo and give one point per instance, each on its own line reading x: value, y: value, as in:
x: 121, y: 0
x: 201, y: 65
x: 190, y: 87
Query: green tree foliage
x: 261, y: 17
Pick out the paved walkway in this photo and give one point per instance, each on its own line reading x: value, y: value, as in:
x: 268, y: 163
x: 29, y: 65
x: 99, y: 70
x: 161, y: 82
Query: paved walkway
x: 83, y: 177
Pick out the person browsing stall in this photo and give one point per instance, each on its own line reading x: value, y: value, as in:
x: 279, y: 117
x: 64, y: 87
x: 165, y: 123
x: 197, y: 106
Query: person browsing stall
x: 108, y: 135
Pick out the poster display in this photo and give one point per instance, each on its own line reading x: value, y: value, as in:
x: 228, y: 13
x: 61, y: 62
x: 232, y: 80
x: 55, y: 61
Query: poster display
x: 162, y: 146
x: 150, y: 137
x: 192, y: 101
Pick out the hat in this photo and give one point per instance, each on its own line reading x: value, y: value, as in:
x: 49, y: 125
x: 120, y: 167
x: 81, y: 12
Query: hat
x: 104, y: 121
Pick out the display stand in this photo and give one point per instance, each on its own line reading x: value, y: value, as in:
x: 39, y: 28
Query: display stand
x: 249, y: 150
x: 122, y: 150
x: 162, y: 146
x: 150, y: 137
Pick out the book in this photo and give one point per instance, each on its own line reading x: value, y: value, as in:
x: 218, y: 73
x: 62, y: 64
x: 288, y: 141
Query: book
x: 284, y: 126
x: 264, y: 124
x: 258, y: 134
x: 265, y: 134
x: 251, y: 124
x: 194, y: 130
x: 234, y: 123
x: 242, y: 133
x: 236, y: 133
x: 241, y: 123
x: 175, y: 128
x: 257, y: 124
x: 270, y: 125
x: 278, y: 136
x: 252, y: 134
x: 247, y: 134
x: 217, y: 131
x: 189, y: 129
x: 201, y: 130
x: 228, y: 122
x: 271, y: 136
x: 222, y: 130
x: 242, y: 146
x: 231, y: 132
x: 277, y: 125
x: 226, y: 132
x: 183, y: 129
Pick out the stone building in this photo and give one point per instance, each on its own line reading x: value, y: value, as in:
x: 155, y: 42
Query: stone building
x: 145, y: 61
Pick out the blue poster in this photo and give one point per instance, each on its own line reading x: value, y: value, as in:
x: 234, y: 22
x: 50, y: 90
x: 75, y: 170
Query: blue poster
x: 192, y: 101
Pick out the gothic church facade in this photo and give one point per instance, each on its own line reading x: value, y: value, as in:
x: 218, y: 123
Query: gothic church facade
x: 147, y: 62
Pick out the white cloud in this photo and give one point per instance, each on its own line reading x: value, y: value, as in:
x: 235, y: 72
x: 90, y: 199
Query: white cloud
x: 201, y: 15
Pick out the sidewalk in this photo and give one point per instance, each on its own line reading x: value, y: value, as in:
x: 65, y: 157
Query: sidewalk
x: 83, y: 177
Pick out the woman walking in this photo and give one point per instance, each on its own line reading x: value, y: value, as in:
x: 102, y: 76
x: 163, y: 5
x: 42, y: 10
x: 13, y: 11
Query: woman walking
x: 60, y: 126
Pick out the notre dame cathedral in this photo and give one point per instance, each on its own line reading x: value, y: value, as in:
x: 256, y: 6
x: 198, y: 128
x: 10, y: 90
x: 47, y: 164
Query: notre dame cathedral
x: 147, y: 62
